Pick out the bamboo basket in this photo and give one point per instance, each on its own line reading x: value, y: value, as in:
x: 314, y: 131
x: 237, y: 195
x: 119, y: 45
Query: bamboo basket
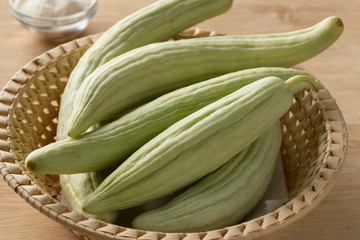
x: 313, y: 149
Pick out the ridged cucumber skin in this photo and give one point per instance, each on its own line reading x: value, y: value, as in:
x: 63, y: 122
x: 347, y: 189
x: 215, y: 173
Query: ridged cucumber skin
x: 156, y: 22
x: 193, y: 147
x: 223, y: 197
x: 147, y: 72
x: 111, y: 144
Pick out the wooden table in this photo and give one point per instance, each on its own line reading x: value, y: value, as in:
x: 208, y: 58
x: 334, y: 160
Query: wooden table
x: 337, y: 217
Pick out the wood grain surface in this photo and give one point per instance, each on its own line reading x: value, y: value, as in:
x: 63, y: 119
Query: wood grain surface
x: 337, y: 216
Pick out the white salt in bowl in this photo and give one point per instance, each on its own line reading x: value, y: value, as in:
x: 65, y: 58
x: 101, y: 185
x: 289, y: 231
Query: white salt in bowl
x: 60, y: 22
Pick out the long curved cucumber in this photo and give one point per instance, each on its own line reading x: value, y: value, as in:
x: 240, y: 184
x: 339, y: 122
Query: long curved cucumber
x: 156, y: 22
x: 109, y: 145
x: 223, y: 197
x: 195, y: 146
x: 147, y: 72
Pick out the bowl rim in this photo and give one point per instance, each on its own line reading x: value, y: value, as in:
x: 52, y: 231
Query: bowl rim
x: 86, y: 11
x: 81, y: 225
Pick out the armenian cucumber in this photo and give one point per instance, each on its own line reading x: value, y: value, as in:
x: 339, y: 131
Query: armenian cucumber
x: 208, y: 138
x: 147, y: 72
x: 112, y: 143
x: 77, y: 186
x: 156, y: 22
x: 223, y: 197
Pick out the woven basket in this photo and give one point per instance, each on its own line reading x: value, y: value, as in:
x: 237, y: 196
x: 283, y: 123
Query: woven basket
x: 313, y: 149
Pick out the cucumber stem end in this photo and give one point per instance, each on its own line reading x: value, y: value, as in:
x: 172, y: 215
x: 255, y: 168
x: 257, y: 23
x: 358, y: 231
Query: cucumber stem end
x: 299, y: 82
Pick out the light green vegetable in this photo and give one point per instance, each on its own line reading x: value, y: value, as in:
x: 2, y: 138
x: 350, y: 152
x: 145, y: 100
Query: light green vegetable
x: 109, y: 145
x: 147, y: 72
x: 77, y: 186
x: 207, y: 138
x: 156, y: 22
x: 223, y: 197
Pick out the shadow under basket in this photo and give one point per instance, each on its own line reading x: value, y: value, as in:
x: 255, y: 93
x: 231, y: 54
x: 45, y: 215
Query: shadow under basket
x: 313, y: 149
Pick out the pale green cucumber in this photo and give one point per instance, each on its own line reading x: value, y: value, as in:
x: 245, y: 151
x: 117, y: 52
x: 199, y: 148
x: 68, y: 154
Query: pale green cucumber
x: 109, y: 145
x: 194, y: 146
x: 223, y: 197
x: 156, y: 22
x: 77, y: 186
x: 147, y: 72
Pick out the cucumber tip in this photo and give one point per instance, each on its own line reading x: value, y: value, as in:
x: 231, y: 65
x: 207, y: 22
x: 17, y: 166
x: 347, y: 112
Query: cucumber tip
x: 339, y: 22
x: 30, y: 165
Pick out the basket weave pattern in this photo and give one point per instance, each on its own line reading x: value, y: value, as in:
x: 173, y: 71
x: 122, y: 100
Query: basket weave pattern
x: 313, y: 150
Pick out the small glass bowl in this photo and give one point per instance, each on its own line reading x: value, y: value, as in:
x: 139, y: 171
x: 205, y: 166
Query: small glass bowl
x: 56, y: 29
